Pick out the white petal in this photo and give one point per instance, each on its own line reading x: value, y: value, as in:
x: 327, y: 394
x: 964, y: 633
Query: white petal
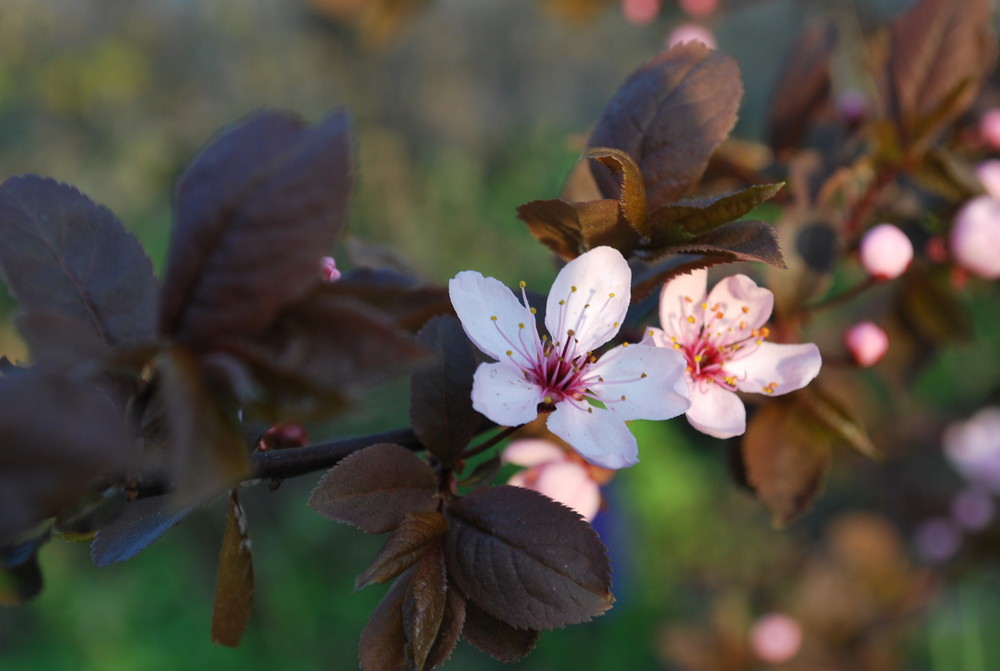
x: 570, y: 484
x: 600, y: 436
x: 532, y: 451
x: 500, y: 392
x: 641, y: 382
x: 477, y: 300
x: 590, y: 297
x: 786, y: 367
x: 716, y: 411
x: 737, y: 292
x: 678, y: 300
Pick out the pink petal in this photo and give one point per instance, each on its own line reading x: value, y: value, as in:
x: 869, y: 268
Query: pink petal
x: 532, y: 452
x: 477, y: 300
x: 716, y: 411
x: 569, y: 483
x: 677, y: 299
x: 737, y: 292
x: 975, y: 237
x: 500, y: 392
x: 600, y: 436
x: 781, y: 368
x: 594, y: 289
x: 641, y: 382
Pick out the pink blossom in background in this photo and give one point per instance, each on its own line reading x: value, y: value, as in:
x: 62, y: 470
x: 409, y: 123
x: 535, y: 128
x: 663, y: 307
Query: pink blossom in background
x: 640, y: 12
x: 989, y: 128
x: 699, y: 9
x: 867, y: 343
x: 560, y: 374
x: 560, y: 475
x: 973, y: 447
x: 988, y: 174
x: 852, y: 105
x: 937, y: 539
x: 886, y: 252
x: 722, y: 338
x: 691, y: 32
x: 328, y: 267
x: 776, y: 638
x: 973, y: 508
x: 974, y: 240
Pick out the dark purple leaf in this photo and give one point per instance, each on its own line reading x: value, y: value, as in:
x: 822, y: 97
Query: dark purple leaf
x: 424, y: 607
x: 441, y: 391
x: 526, y: 559
x: 383, y: 641
x: 58, y: 436
x: 632, y: 198
x: 62, y: 254
x: 670, y: 115
x: 256, y: 210
x: 234, y: 582
x: 141, y: 523
x: 451, y: 629
x: 20, y: 574
x: 569, y: 229
x: 403, y: 548
x: 497, y: 639
x: 689, y: 218
x: 737, y: 241
x: 375, y: 489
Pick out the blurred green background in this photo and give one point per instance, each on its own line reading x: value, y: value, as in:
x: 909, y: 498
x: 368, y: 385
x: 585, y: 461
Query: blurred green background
x: 463, y: 110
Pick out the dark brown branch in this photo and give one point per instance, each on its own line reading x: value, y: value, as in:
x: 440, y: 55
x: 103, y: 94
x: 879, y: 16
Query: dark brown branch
x: 294, y: 461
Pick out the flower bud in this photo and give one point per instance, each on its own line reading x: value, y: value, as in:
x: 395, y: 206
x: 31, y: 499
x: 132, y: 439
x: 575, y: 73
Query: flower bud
x: 989, y: 127
x: 691, y: 32
x: 699, y: 9
x: 867, y: 343
x: 640, y: 12
x: 852, y: 106
x: 776, y: 638
x: 988, y: 174
x: 975, y: 237
x: 328, y: 268
x: 886, y: 252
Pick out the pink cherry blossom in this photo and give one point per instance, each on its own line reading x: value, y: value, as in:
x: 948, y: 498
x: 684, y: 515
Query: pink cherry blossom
x: 640, y: 12
x: 328, y: 268
x: 722, y: 338
x: 886, y: 252
x: 989, y: 127
x: 560, y: 475
x: 562, y: 373
x: 867, y: 343
x: 776, y: 637
x: 975, y: 237
x: 691, y: 32
x: 699, y: 9
x: 988, y: 174
x: 973, y: 447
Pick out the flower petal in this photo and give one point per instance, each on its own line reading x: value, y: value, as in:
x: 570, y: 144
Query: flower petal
x: 677, y: 301
x: 737, y: 292
x: 641, y: 382
x: 600, y: 436
x: 716, y: 411
x: 532, y: 452
x: 569, y: 483
x: 500, y: 392
x: 780, y: 368
x: 590, y: 297
x: 477, y: 300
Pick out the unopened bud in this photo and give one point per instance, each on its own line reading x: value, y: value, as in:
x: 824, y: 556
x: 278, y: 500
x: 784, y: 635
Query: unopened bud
x: 886, y: 252
x: 328, y: 268
x: 989, y: 127
x: 691, y: 32
x: 975, y: 237
x: 776, y: 638
x: 699, y: 9
x: 867, y: 343
x: 640, y: 12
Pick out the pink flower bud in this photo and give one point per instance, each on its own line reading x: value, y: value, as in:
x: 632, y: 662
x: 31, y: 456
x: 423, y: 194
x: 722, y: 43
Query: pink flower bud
x: 328, y: 268
x: 886, y: 252
x: 852, y: 105
x: 640, y: 12
x: 975, y: 237
x: 988, y: 174
x: 989, y: 127
x: 867, y: 343
x: 691, y: 32
x: 699, y: 9
x: 776, y: 637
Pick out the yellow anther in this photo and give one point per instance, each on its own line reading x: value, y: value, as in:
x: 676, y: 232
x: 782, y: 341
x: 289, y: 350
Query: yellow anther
x: 590, y: 410
x: 642, y: 376
x: 624, y: 344
x: 697, y: 358
x: 523, y: 284
x: 677, y: 345
x: 719, y: 315
x: 510, y: 352
x: 520, y: 325
x: 571, y: 333
x: 688, y: 299
x: 746, y: 310
x: 586, y: 306
x: 572, y: 289
x: 533, y: 310
x: 562, y: 302
x: 548, y: 400
x: 600, y: 379
x: 691, y: 319
x: 704, y: 306
x: 650, y: 331
x: 611, y: 295
x: 623, y: 397
x: 616, y: 325
x: 730, y: 380
x: 493, y: 318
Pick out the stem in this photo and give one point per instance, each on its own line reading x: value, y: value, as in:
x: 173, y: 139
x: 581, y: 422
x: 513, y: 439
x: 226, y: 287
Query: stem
x: 490, y: 442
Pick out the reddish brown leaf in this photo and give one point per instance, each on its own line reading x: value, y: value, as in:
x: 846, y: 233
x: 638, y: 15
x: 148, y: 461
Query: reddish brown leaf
x: 803, y: 87
x: 451, y: 629
x: 403, y: 548
x: 424, y: 607
x: 234, y: 582
x: 383, y: 641
x: 786, y: 459
x: 737, y: 241
x: 632, y: 201
x: 938, y: 50
x: 62, y: 254
x: 256, y: 210
x: 689, y: 218
x: 497, y: 639
x: 670, y: 115
x: 441, y: 391
x: 375, y: 489
x: 526, y: 559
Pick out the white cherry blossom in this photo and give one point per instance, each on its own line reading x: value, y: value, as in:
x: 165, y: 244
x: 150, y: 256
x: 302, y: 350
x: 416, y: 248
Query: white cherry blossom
x: 561, y: 372
x: 722, y: 337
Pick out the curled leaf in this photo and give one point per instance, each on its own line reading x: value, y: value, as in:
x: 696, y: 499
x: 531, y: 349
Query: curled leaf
x: 404, y: 548
x: 234, y: 582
